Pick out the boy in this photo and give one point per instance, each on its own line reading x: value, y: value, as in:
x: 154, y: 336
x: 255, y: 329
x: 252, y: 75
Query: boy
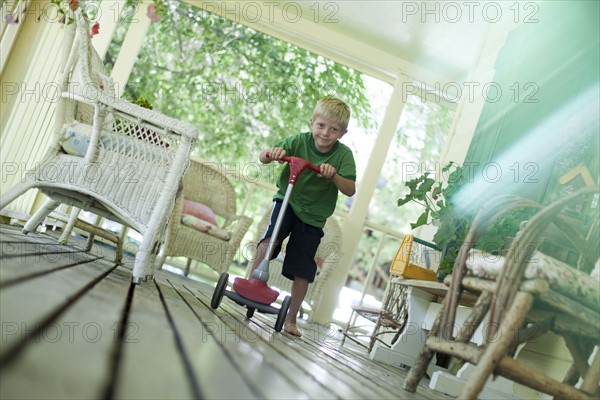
x: 313, y: 199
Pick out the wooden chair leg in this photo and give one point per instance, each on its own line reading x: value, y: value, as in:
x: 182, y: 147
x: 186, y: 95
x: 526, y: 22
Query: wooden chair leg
x: 592, y: 377
x: 419, y: 368
x: 90, y: 240
x: 120, y: 243
x: 374, y: 333
x: 349, y: 325
x: 495, y: 351
x: 580, y: 353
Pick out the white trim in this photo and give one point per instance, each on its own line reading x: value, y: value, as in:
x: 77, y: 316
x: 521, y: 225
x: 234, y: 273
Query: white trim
x: 130, y: 48
x: 9, y: 32
x: 27, y: 128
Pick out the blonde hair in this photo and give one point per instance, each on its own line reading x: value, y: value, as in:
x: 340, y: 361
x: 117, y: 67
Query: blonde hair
x: 335, y: 109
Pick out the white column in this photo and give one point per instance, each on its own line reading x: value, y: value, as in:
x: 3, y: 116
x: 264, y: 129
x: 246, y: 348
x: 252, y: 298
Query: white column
x: 108, y: 15
x: 131, y: 47
x: 352, y: 225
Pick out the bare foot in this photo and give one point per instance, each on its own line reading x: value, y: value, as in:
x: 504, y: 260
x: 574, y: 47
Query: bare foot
x: 292, y: 329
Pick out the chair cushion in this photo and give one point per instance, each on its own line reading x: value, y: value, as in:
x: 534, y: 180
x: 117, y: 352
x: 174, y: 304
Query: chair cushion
x: 204, y: 226
x: 75, y: 140
x: 199, y: 210
x: 560, y: 276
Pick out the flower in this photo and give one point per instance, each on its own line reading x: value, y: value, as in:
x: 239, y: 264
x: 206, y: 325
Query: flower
x: 95, y: 29
x: 74, y: 5
x: 152, y: 13
x: 11, y: 19
x: 435, y: 193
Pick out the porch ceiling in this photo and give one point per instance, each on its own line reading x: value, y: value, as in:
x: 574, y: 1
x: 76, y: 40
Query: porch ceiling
x: 431, y: 42
x: 420, y: 35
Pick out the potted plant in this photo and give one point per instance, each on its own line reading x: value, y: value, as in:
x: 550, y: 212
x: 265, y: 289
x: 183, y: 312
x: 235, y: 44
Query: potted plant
x: 439, y: 209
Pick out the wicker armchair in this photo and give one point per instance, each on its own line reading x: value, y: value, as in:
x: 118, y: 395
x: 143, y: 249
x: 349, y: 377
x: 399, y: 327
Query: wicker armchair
x: 523, y: 296
x: 125, y: 162
x: 328, y: 256
x: 204, y: 184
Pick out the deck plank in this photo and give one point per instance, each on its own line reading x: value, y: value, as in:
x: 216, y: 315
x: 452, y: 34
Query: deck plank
x: 262, y: 342
x: 366, y: 378
x: 28, y: 256
x: 171, y: 345
x: 212, y: 367
x: 151, y: 366
x: 78, y: 344
x: 309, y: 362
x: 29, y: 305
x: 237, y: 356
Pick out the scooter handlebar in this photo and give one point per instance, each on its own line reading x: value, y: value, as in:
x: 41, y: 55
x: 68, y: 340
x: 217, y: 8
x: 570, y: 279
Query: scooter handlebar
x: 297, y: 167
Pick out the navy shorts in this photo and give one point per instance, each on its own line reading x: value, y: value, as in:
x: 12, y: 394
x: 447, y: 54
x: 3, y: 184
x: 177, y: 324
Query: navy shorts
x: 302, y: 246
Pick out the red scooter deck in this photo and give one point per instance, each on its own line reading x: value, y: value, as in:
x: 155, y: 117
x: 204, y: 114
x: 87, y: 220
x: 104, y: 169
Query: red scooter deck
x: 255, y: 290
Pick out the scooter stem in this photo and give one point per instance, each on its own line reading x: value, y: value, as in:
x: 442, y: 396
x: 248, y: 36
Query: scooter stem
x: 262, y: 272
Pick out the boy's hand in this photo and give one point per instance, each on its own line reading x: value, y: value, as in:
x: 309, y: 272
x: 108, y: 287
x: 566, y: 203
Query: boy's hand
x: 275, y: 153
x: 344, y: 185
x: 327, y: 171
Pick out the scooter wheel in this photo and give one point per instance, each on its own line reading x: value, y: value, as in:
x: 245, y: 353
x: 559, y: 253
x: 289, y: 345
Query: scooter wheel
x: 219, y: 290
x: 250, y: 312
x: 285, y: 306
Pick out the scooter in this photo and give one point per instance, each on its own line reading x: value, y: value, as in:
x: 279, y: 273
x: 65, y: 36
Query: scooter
x: 254, y: 293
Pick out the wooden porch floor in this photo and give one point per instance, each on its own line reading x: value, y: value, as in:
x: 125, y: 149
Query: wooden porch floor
x: 73, y: 326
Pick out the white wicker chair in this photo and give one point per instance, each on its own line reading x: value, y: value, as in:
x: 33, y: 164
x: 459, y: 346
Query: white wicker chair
x: 329, y: 252
x: 203, y: 183
x: 133, y: 163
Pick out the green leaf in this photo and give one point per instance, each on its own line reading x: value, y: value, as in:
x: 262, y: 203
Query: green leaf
x: 404, y: 200
x: 422, y: 220
x: 449, y: 165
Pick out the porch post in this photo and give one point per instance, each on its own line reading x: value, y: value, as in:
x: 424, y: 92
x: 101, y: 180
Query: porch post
x: 108, y: 15
x: 131, y: 47
x: 352, y: 225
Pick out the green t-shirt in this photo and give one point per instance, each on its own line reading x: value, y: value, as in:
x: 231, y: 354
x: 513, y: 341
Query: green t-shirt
x: 313, y: 199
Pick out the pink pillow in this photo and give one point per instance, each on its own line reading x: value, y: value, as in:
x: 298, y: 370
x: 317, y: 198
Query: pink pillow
x: 199, y: 210
x: 206, y: 227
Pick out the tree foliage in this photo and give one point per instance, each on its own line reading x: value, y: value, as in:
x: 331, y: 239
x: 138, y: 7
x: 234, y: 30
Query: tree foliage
x: 243, y: 89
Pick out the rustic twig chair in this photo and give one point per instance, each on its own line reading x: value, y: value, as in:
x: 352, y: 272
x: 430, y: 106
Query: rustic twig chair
x: 110, y: 157
x: 391, y: 317
x: 532, y: 294
x: 204, y: 184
